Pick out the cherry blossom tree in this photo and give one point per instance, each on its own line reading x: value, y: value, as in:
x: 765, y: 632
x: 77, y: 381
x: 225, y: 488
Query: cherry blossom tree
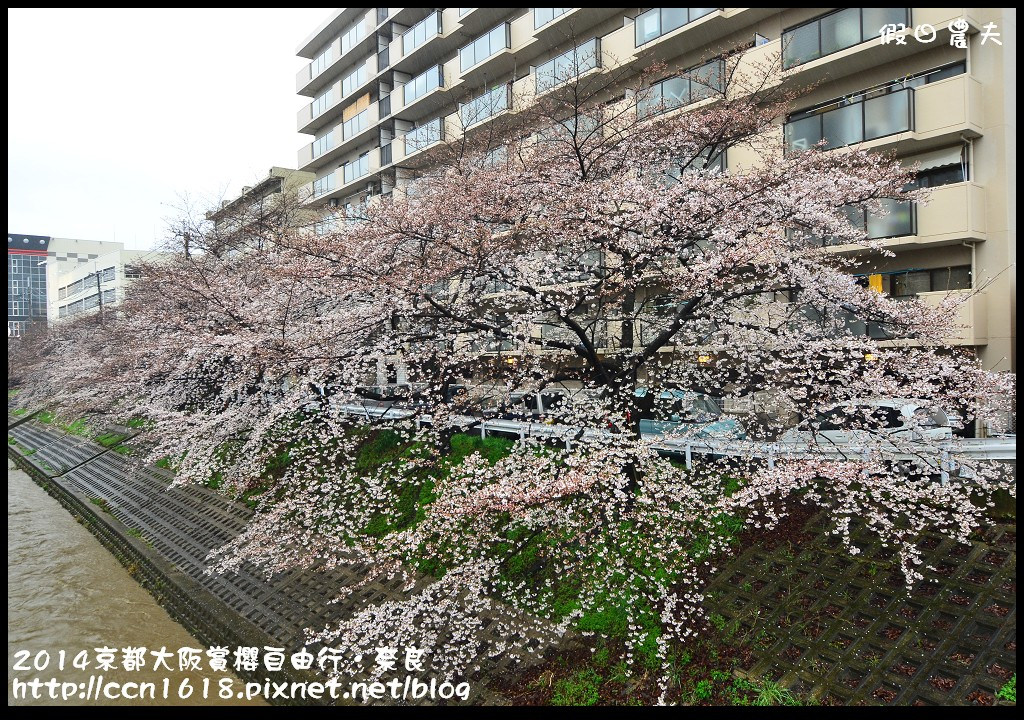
x: 598, y: 248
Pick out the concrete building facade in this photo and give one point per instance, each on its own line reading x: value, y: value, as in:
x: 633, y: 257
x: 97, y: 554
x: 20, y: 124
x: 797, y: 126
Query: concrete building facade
x: 937, y: 86
x: 97, y: 284
x: 34, y: 263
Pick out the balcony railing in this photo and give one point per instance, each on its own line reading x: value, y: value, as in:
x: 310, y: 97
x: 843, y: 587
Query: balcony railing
x: 656, y: 22
x: 863, y: 118
x: 568, y: 65
x: 485, y: 106
x: 837, y: 31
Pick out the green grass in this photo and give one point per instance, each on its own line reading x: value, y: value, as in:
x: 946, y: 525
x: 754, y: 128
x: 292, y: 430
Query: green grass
x: 101, y: 504
x: 20, y: 411
x: 1008, y: 691
x: 581, y: 688
x: 110, y: 439
x: 137, y: 422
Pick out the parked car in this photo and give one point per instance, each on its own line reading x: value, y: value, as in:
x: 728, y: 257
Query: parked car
x: 855, y: 421
x: 691, y: 413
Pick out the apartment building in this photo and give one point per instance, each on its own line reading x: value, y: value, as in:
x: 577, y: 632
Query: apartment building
x: 268, y: 195
x: 937, y: 87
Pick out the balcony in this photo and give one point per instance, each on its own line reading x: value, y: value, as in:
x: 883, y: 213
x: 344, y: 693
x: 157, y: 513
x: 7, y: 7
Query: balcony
x: 343, y: 144
x: 954, y: 214
x: 306, y: 83
x: 909, y: 119
x: 970, y: 317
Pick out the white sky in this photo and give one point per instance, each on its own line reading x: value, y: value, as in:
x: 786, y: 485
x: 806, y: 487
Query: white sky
x: 115, y: 115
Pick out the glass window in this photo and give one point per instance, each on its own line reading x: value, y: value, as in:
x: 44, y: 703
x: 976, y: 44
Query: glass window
x: 800, y: 45
x: 484, y: 46
x: 422, y: 84
x: 542, y: 16
x: 836, y: 31
x: 424, y: 135
x: 952, y: 278
x: 911, y: 283
x: 323, y: 185
x: 843, y: 126
x: 352, y: 36
x: 321, y: 103
x: 874, y: 19
x: 323, y: 143
x: 356, y: 169
x: 421, y: 32
x: 480, y: 108
x: 840, y: 30
x: 648, y: 26
x: 320, y: 63
x: 803, y: 134
x: 569, y: 64
x: 692, y: 86
x: 353, y: 80
x: 707, y: 81
x: 356, y: 124
x: 658, y: 21
x: 898, y: 220
x: 887, y: 114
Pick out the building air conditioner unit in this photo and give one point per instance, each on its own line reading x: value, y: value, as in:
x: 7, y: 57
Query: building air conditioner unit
x: 333, y: 203
x: 371, y: 188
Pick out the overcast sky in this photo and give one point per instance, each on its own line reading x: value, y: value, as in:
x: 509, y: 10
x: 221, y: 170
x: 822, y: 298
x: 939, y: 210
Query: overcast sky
x: 114, y: 115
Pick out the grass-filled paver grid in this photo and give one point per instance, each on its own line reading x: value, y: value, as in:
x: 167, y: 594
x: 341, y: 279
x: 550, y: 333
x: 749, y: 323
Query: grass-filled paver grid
x: 843, y: 629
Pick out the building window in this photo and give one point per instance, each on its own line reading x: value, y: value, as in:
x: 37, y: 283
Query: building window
x: 320, y: 63
x: 323, y: 143
x: 872, y: 114
x: 422, y: 84
x: 353, y: 81
x: 357, y: 168
x: 485, y: 106
x: 656, y: 22
x: 704, y: 161
x: 542, y: 16
x: 355, y: 125
x: 321, y: 103
x: 692, y: 86
x: 909, y: 283
x: 351, y: 37
x: 569, y: 64
x: 422, y: 31
x: 939, y: 167
x: 579, y: 128
x: 484, y: 46
x: 837, y: 31
x: 323, y: 185
x: 424, y: 135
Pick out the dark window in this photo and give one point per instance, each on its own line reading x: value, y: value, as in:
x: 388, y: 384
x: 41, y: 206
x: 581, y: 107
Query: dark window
x: 837, y: 31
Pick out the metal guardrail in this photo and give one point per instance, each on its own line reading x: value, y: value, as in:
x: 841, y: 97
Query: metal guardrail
x: 1001, y: 448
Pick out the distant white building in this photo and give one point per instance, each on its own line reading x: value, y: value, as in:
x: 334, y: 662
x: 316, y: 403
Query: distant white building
x: 34, y: 262
x: 99, y: 282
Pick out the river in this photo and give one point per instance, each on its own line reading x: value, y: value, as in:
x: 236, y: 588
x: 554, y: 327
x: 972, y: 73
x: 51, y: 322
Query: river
x: 65, y: 591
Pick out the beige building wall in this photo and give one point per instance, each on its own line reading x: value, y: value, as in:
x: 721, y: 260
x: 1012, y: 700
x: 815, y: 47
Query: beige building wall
x: 966, y: 223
